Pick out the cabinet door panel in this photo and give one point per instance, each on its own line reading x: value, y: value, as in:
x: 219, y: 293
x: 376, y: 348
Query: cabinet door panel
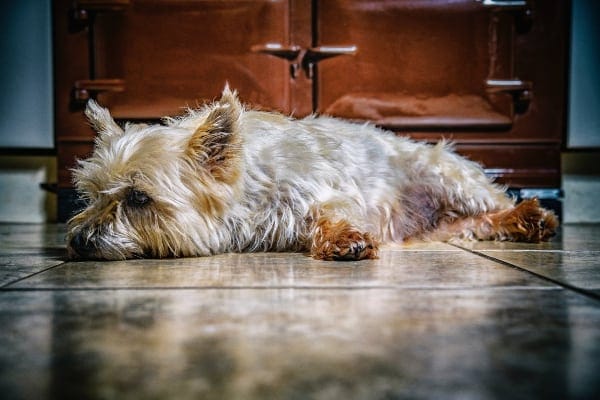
x: 420, y: 65
x: 176, y: 53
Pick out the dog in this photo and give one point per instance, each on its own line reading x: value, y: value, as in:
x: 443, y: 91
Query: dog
x: 224, y: 178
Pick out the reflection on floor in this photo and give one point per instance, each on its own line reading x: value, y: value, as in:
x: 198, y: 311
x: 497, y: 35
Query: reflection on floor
x: 426, y: 320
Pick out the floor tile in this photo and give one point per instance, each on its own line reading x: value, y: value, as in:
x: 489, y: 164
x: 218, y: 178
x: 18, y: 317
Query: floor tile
x: 571, y: 258
x: 416, y: 269
x: 576, y: 268
x: 299, y: 343
x: 570, y: 237
x: 26, y: 249
x: 418, y: 245
x: 578, y: 237
x: 14, y: 267
x: 426, y: 320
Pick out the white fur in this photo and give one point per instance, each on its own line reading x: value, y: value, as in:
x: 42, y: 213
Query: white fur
x: 291, y: 172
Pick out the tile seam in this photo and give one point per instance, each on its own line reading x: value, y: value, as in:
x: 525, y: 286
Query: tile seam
x: 564, y: 285
x: 337, y: 288
x: 6, y: 285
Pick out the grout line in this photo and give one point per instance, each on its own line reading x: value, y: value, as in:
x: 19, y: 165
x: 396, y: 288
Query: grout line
x: 6, y: 285
x: 562, y: 284
x: 282, y: 287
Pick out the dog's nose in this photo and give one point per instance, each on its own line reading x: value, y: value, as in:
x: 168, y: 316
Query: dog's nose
x: 82, y: 245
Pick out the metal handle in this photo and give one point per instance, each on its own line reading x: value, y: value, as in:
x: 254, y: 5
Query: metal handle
x: 506, y: 4
x: 317, y: 54
x: 520, y: 91
x: 308, y: 58
x: 521, y: 10
x: 507, y: 85
x: 289, y: 53
x: 85, y: 89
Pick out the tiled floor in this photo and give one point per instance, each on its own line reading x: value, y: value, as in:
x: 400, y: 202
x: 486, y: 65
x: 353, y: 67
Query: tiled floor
x: 465, y: 321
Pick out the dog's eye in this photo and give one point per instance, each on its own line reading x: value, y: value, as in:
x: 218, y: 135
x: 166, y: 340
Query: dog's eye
x: 137, y: 198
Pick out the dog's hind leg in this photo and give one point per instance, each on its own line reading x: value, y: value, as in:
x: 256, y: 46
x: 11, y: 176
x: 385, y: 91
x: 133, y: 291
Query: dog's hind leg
x: 525, y: 222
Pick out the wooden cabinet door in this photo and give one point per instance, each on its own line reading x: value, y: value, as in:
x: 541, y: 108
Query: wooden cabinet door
x: 145, y: 59
x: 162, y: 55
x: 423, y: 65
x: 487, y: 74
x: 418, y: 65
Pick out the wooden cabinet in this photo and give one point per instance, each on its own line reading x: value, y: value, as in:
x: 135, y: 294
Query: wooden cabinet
x: 487, y: 74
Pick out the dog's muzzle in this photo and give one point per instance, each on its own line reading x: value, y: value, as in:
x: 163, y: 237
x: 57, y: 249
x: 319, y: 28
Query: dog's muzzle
x: 82, y: 247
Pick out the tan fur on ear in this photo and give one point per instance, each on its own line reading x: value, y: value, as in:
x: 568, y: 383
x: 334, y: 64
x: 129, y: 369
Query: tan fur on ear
x: 216, y: 143
x: 229, y: 96
x: 101, y: 120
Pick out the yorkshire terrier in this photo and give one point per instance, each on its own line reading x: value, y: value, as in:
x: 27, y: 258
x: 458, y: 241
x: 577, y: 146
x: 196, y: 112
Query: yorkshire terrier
x: 224, y: 178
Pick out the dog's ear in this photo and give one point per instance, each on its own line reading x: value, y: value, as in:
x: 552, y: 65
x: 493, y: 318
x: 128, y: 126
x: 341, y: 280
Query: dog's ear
x: 216, y: 143
x: 101, y: 120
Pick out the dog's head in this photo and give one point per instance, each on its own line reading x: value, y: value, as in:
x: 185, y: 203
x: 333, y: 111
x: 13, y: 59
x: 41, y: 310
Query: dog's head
x: 158, y: 190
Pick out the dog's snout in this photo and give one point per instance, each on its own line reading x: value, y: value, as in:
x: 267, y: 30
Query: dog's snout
x: 82, y: 245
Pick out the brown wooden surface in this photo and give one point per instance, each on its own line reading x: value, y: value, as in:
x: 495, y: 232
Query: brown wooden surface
x: 421, y: 68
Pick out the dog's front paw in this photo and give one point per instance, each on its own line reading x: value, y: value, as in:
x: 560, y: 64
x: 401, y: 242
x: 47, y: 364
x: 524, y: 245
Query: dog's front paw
x: 358, y: 249
x: 341, y: 242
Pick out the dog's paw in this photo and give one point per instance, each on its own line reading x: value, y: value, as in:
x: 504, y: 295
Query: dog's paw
x: 528, y: 222
x: 341, y: 242
x: 361, y: 249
